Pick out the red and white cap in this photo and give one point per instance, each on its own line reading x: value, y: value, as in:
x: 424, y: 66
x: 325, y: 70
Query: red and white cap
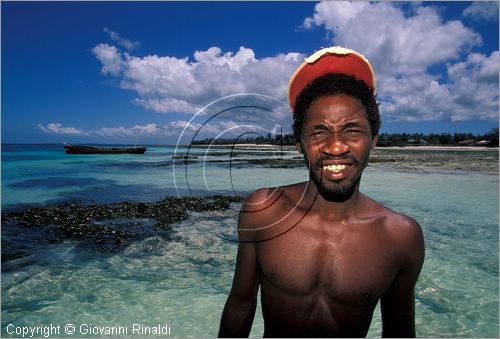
x: 330, y: 60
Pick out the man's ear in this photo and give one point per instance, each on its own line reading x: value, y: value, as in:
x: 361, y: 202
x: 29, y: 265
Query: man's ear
x: 374, y: 141
x: 298, y: 146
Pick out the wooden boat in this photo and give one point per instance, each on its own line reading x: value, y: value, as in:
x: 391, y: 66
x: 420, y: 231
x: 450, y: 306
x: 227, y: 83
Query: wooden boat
x: 87, y: 149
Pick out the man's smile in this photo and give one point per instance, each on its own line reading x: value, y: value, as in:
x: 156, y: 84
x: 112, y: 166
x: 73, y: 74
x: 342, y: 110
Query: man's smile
x: 336, y: 172
x: 335, y: 168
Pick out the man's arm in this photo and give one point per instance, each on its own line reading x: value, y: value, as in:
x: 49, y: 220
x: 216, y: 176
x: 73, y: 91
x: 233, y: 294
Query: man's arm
x: 239, y: 311
x: 398, y: 302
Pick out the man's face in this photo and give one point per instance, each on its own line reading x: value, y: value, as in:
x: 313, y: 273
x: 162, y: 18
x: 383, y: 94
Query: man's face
x: 336, y: 141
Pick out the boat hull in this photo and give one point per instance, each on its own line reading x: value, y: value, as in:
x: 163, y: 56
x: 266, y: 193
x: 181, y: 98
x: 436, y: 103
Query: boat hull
x: 81, y: 149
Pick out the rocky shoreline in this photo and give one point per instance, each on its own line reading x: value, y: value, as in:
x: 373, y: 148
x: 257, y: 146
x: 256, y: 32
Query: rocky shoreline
x: 107, y: 227
x: 485, y: 161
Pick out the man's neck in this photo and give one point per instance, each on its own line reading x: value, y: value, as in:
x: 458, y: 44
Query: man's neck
x: 333, y: 210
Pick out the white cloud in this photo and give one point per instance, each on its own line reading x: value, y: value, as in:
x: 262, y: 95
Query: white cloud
x: 136, y: 131
x: 395, y: 42
x: 471, y: 92
x: 168, y: 84
x: 126, y: 43
x: 110, y: 58
x: 406, y: 44
x: 57, y: 128
x: 213, y: 57
x: 477, y: 67
x: 403, y: 47
x: 482, y: 10
x: 475, y: 86
x: 172, y: 130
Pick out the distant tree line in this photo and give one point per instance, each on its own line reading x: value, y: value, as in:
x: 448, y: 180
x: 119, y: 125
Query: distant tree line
x: 443, y: 139
x: 277, y: 139
x: 489, y: 139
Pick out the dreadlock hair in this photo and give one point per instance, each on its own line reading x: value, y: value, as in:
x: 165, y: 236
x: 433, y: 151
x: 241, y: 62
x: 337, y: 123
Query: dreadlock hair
x: 333, y: 84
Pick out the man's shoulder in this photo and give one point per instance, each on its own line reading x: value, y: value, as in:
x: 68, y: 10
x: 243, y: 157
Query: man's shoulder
x: 393, y: 219
x: 402, y: 225
x: 270, y: 198
x: 399, y: 226
x: 404, y: 232
x: 267, y: 210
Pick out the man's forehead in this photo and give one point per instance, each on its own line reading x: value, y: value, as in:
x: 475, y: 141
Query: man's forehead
x: 338, y: 107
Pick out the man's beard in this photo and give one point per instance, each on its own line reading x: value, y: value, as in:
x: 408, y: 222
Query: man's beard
x: 341, y: 190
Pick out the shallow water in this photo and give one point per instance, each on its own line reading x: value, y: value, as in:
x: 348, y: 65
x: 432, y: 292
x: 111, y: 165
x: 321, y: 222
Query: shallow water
x: 183, y: 281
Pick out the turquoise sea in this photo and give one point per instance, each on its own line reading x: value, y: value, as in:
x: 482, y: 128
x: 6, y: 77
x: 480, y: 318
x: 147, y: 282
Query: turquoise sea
x: 182, y: 279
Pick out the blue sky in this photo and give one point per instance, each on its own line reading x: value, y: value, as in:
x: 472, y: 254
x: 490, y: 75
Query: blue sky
x: 134, y: 72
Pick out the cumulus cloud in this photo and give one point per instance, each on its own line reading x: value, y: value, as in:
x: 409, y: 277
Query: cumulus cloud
x: 403, y: 46
x: 470, y: 92
x: 395, y: 42
x: 477, y: 67
x: 474, y: 84
x: 57, y: 128
x: 408, y: 45
x: 482, y: 10
x: 111, y: 59
x: 169, y: 84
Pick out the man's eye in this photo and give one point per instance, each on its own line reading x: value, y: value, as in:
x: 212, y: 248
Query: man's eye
x: 355, y: 132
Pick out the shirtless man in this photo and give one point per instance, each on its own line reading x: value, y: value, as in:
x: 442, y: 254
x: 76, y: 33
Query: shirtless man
x: 323, y: 253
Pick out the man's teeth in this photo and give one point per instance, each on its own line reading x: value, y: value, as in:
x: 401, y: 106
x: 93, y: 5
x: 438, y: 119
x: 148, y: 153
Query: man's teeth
x: 334, y: 168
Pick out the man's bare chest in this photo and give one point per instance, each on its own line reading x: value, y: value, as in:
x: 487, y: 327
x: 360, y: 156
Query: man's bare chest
x: 348, y: 267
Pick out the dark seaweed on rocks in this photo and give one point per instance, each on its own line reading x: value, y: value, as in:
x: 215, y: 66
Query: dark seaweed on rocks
x: 110, y: 226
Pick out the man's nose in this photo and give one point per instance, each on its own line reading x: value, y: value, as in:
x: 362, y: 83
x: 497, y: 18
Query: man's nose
x: 335, y: 145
